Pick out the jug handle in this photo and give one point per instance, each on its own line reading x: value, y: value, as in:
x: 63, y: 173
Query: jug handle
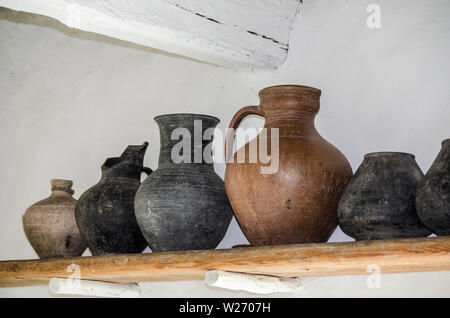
x: 147, y: 171
x: 234, y: 124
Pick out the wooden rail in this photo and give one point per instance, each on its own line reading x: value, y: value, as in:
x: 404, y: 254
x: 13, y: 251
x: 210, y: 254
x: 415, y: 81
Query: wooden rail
x: 301, y: 260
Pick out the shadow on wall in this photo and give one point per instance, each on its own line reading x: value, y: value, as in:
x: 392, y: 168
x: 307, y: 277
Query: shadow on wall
x: 47, y: 22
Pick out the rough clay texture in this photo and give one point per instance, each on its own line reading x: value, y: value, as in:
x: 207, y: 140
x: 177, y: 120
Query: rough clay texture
x: 50, y: 224
x: 105, y: 212
x: 298, y: 203
x: 433, y: 196
x: 183, y: 206
x: 379, y: 201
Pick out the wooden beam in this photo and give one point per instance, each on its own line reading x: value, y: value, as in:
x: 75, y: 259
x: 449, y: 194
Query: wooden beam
x: 233, y: 33
x: 327, y: 259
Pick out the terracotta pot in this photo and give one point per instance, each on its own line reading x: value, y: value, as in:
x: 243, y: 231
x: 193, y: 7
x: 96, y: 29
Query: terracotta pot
x: 105, y: 212
x: 433, y: 196
x: 297, y: 203
x: 50, y: 224
x: 379, y: 201
x: 183, y: 204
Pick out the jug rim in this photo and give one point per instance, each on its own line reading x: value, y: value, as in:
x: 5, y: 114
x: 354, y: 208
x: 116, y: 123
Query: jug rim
x: 388, y: 154
x: 62, y: 185
x: 289, y: 88
x: 187, y: 115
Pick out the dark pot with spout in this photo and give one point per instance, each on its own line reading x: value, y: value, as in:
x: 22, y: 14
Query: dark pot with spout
x: 105, y: 212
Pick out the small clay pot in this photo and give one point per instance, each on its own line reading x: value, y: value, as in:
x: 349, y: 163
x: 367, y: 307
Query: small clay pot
x: 379, y: 201
x: 433, y: 196
x: 50, y: 225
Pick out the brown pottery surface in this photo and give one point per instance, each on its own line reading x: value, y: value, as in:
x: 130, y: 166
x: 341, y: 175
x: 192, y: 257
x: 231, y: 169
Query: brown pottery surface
x: 50, y: 224
x: 298, y: 203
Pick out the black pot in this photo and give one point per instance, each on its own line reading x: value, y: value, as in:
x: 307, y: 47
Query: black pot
x: 379, y: 201
x: 183, y: 204
x: 433, y: 196
x: 105, y: 212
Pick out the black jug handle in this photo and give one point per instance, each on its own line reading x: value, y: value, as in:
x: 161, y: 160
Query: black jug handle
x: 148, y: 171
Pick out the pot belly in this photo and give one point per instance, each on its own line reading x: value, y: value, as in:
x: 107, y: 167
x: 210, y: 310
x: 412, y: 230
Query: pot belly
x: 298, y: 203
x: 183, y: 207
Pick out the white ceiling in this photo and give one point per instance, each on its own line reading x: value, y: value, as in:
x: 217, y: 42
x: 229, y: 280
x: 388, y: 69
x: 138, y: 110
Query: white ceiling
x: 232, y: 33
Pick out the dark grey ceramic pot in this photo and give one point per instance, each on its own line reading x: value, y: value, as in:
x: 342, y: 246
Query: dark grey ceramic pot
x: 433, y: 196
x: 105, y: 212
x: 379, y: 201
x: 183, y: 206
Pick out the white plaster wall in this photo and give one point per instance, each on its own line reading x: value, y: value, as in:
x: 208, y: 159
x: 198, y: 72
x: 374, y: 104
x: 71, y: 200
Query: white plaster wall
x: 69, y: 100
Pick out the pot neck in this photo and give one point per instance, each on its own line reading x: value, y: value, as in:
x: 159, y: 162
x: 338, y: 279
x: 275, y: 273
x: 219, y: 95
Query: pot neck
x: 444, y: 153
x: 186, y: 139
x: 128, y: 166
x: 122, y: 171
x: 292, y: 109
x: 389, y: 158
x: 61, y: 188
x: 388, y: 155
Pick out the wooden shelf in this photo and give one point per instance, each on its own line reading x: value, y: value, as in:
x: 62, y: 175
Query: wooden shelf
x: 301, y: 260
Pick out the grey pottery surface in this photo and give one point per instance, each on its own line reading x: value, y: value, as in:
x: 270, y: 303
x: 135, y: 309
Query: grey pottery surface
x: 379, y: 201
x: 183, y: 206
x: 433, y: 196
x: 105, y: 212
x: 50, y: 224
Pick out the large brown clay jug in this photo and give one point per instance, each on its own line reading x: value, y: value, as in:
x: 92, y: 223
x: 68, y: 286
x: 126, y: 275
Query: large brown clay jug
x: 296, y: 203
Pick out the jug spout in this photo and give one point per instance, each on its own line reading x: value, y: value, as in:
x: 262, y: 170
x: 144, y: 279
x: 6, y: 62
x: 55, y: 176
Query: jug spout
x: 134, y: 155
x: 129, y: 165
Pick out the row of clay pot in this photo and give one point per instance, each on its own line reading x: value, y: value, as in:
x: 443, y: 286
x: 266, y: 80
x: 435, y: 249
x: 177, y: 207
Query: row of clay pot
x: 299, y: 202
x: 180, y: 206
x: 184, y: 206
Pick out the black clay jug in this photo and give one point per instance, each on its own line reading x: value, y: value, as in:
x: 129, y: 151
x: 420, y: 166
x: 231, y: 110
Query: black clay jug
x: 105, y: 212
x: 183, y: 204
x: 433, y: 196
x: 379, y: 201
